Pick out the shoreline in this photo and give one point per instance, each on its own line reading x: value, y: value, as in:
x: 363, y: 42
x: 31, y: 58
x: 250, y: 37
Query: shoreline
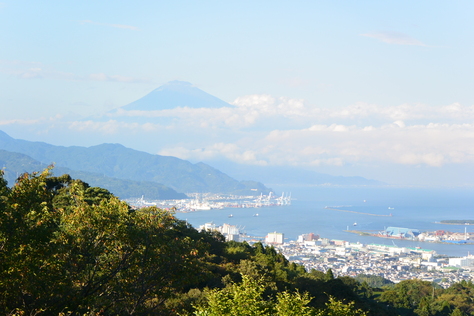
x: 455, y: 222
x: 365, y: 233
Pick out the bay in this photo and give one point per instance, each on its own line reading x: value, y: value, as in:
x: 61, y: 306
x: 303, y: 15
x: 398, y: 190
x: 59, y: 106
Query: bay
x: 417, y: 208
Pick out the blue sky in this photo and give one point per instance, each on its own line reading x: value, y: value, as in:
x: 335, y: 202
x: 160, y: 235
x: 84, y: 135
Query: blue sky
x: 353, y: 87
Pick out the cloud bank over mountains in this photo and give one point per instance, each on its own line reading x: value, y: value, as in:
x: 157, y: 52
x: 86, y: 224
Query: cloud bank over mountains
x: 400, y: 142
x: 265, y: 130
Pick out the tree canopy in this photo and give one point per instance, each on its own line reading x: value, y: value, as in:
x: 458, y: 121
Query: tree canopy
x: 67, y: 247
x: 70, y: 249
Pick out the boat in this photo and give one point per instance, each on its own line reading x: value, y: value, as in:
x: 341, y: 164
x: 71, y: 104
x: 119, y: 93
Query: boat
x: 255, y: 215
x: 230, y: 215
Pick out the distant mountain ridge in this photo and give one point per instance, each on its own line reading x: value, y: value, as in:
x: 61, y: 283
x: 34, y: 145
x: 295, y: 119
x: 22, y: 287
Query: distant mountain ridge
x: 15, y: 164
x: 294, y: 176
x: 176, y: 94
x: 117, y: 161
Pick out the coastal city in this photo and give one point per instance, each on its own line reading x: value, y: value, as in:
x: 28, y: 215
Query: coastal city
x: 344, y: 258
x: 388, y: 261
x: 351, y: 259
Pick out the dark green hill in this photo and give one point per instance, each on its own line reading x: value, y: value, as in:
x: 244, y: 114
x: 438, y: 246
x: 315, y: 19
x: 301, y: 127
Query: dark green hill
x: 15, y: 164
x: 117, y: 161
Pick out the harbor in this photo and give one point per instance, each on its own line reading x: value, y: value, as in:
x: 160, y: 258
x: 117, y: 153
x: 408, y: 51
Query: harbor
x: 403, y: 233
x: 209, y: 201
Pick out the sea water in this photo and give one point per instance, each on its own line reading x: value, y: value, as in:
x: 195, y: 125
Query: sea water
x: 416, y: 208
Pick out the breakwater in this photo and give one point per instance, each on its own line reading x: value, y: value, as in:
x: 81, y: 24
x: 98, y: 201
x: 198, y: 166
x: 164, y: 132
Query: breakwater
x: 355, y: 212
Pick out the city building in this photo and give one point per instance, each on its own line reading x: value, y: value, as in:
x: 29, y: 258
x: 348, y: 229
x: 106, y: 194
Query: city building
x: 274, y: 238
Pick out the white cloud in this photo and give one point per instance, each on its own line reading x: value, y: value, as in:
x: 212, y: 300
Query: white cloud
x: 264, y: 130
x: 247, y: 111
x: 111, y: 127
x: 33, y: 70
x: 20, y: 122
x: 261, y: 107
x: 232, y: 152
x: 31, y: 73
x: 254, y: 100
x: 120, y: 26
x: 32, y: 122
x: 399, y: 123
x: 269, y: 106
x: 290, y: 132
x: 203, y: 117
x: 336, y: 145
x: 36, y: 70
x: 430, y: 159
x: 115, y: 78
x: 394, y: 38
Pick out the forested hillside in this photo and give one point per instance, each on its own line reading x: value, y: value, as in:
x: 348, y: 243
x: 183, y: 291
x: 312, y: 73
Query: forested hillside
x: 15, y: 164
x: 117, y: 161
x: 70, y: 249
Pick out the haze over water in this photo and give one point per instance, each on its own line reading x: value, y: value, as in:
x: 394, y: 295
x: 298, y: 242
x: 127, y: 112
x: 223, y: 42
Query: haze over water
x: 410, y: 207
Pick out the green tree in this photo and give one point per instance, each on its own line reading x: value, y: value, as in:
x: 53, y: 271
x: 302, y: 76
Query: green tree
x: 247, y: 299
x: 329, y: 275
x: 27, y: 225
x: 374, y: 281
x: 69, y: 248
x: 244, y: 299
x: 408, y: 294
x: 457, y: 312
x: 339, y: 308
x: 289, y: 304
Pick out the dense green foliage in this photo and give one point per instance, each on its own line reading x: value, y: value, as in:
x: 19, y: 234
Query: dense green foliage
x: 374, y: 281
x: 416, y: 297
x: 248, y: 299
x: 67, y: 247
x: 71, y: 249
